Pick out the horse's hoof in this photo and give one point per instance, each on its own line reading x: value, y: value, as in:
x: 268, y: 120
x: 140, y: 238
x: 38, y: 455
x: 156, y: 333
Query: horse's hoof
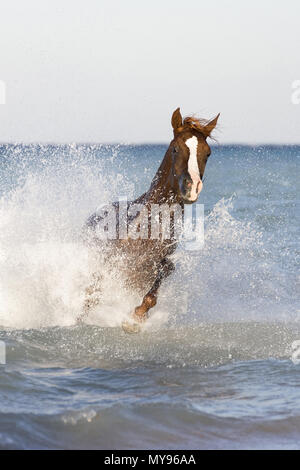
x: 131, y: 327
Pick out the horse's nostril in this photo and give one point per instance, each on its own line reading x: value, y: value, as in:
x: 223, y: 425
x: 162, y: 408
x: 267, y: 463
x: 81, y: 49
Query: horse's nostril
x: 188, y: 184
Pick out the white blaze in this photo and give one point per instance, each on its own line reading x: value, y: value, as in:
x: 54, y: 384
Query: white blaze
x: 192, y: 144
x: 193, y: 168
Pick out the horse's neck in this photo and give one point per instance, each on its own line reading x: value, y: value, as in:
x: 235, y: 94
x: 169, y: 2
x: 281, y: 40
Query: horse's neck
x: 162, y: 190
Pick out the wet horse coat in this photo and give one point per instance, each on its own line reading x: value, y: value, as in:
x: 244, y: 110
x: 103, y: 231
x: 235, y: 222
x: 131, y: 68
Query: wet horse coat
x: 178, y: 180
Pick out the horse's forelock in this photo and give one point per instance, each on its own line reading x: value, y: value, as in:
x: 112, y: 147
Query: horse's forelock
x: 198, y: 124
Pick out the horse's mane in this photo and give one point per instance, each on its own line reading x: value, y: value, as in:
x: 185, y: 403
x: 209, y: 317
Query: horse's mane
x: 192, y: 122
x: 204, y: 126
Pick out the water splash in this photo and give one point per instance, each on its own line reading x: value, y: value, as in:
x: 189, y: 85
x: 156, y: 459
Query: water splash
x: 46, y: 197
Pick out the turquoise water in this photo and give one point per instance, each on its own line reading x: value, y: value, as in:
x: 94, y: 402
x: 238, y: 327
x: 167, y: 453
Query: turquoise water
x: 217, y: 365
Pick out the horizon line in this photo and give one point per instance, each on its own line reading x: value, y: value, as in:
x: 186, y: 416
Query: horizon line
x: 136, y: 144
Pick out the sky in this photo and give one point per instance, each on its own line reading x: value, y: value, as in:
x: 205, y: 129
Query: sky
x: 115, y: 70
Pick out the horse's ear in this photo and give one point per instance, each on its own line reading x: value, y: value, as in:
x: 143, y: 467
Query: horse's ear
x: 176, y: 119
x: 210, y: 126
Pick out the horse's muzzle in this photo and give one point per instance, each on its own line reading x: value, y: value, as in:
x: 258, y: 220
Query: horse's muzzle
x: 190, y: 187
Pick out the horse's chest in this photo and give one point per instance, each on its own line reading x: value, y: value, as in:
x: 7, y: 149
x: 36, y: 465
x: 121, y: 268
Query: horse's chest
x: 141, y: 260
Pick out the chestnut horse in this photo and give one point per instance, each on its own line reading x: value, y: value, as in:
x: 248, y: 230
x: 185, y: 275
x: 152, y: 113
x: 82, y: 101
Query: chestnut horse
x: 144, y: 259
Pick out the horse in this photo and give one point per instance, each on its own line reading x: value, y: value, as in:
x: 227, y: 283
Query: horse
x: 142, y: 257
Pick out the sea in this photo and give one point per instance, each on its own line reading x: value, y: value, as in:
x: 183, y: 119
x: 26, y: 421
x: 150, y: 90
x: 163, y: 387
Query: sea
x: 217, y: 366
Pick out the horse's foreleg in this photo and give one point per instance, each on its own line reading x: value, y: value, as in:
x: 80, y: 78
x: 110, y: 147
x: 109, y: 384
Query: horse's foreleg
x: 166, y: 267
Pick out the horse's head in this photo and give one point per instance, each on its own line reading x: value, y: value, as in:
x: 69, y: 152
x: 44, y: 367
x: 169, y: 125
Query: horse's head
x: 189, y: 152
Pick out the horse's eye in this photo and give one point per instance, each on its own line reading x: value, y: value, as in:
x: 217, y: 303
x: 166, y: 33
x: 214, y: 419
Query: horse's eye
x: 175, y: 150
